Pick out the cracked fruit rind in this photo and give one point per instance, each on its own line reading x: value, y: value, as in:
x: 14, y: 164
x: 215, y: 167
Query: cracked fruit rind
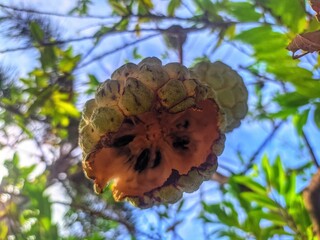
x: 154, y: 132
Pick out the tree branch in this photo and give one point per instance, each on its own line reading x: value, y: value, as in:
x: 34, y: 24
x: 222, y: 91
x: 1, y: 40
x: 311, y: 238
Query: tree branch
x: 311, y: 197
x: 18, y: 112
x: 100, y: 214
x: 311, y: 152
x: 261, y: 147
x: 33, y: 11
x: 98, y: 57
x: 90, y: 37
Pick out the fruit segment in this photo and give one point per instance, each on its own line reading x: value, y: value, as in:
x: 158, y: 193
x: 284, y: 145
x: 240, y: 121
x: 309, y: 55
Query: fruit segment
x: 229, y: 90
x: 155, y: 131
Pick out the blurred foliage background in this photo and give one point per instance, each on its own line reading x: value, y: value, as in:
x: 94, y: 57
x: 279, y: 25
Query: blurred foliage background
x: 55, y: 54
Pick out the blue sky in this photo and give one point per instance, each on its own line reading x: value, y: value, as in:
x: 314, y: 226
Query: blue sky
x: 247, y: 138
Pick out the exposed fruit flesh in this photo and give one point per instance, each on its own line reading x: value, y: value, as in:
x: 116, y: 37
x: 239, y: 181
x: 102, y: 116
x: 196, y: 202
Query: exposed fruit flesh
x: 154, y: 144
x: 155, y: 131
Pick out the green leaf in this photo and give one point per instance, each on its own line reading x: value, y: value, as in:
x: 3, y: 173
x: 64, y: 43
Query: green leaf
x: 172, y: 6
x: 274, y: 217
x: 123, y: 24
x: 45, y: 223
x: 15, y: 160
x: 292, y: 100
x: 36, y: 31
x: 144, y: 7
x: 231, y: 234
x: 279, y: 180
x: 316, y: 115
x: 290, y: 12
x: 251, y: 184
x: 48, y: 57
x: 243, y: 11
x: 304, y: 83
x: 68, y: 108
x: 262, y: 201
x: 93, y: 81
x: 119, y: 8
x: 3, y: 230
x: 283, y: 113
x: 274, y: 230
x: 300, y: 121
x: 290, y: 191
x: 101, y: 32
x: 135, y: 53
x: 147, y: 3
x: 266, y: 168
x: 221, y: 214
x: 81, y: 8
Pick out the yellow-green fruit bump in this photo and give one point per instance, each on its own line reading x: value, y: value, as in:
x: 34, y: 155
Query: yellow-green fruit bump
x: 124, y: 72
x: 89, y: 137
x: 168, y: 194
x: 88, y: 108
x: 177, y: 71
x: 152, y: 75
x: 136, y: 98
x: 191, y: 182
x: 105, y: 120
x: 108, y: 94
x: 172, y: 93
x: 229, y: 90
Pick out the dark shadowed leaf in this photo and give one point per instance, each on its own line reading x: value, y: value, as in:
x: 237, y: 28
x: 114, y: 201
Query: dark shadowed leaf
x: 290, y: 13
x: 316, y: 115
x: 36, y: 31
x: 243, y: 11
x: 315, y: 5
x: 307, y: 42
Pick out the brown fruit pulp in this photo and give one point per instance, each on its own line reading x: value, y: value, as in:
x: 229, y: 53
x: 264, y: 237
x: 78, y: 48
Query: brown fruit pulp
x: 142, y: 155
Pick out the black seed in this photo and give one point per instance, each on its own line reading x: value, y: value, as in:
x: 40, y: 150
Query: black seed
x: 157, y: 160
x: 185, y: 124
x: 142, y: 160
x: 128, y: 121
x: 123, y: 141
x: 181, y: 142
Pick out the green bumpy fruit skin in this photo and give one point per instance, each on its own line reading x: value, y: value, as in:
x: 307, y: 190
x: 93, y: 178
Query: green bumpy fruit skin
x: 149, y: 86
x: 228, y: 89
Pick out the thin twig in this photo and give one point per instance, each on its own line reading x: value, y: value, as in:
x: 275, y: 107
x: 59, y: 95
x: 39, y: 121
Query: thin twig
x: 66, y: 15
x: 91, y: 37
x: 19, y: 113
x: 309, y: 147
x: 261, y: 147
x: 16, y: 49
x: 47, y: 44
x: 98, y: 57
x: 100, y: 214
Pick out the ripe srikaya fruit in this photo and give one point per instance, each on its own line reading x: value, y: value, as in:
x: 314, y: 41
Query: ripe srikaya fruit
x: 155, y: 131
